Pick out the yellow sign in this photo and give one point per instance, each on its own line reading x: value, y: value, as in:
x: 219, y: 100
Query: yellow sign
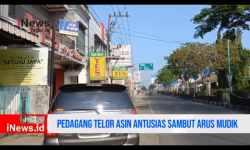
x: 120, y: 73
x: 97, y: 66
x: 24, y: 67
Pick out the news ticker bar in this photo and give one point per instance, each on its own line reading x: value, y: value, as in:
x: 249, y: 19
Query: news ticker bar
x: 125, y: 123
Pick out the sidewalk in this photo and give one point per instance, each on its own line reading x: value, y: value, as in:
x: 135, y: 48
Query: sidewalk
x: 22, y: 139
x: 140, y: 102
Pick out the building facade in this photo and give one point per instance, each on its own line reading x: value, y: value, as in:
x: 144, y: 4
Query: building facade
x: 71, y: 58
x: 71, y: 53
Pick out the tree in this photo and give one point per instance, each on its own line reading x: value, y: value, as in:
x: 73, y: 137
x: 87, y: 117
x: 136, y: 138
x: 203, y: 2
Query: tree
x: 152, y: 86
x: 227, y: 17
x: 165, y: 75
x: 143, y: 88
x: 239, y: 61
x: 232, y: 18
x: 194, y: 58
x: 240, y: 69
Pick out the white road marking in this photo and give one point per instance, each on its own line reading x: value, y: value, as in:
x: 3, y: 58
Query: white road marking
x: 150, y: 106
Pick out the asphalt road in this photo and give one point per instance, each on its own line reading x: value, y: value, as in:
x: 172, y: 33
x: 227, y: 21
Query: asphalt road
x: 160, y: 104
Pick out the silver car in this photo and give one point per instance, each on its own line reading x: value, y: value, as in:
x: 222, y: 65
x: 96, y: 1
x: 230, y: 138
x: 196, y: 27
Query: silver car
x: 87, y: 99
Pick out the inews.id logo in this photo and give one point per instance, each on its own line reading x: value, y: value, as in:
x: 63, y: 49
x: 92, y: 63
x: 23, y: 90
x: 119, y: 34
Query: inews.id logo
x: 35, y: 26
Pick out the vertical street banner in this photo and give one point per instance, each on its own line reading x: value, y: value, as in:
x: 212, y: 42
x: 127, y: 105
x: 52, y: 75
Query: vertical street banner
x: 24, y: 67
x: 119, y: 73
x: 97, y: 66
x: 137, y: 76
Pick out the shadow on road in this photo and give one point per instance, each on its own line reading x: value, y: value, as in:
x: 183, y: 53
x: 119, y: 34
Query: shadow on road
x: 173, y: 105
x: 170, y: 105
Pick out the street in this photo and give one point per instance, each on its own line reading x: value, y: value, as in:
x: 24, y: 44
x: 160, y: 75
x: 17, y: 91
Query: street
x: 160, y: 104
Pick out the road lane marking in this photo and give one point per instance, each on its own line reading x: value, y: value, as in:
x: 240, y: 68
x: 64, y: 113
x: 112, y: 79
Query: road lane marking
x: 177, y: 106
x: 149, y: 106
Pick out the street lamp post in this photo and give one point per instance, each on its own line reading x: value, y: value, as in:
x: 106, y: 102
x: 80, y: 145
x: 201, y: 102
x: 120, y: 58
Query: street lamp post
x: 229, y: 77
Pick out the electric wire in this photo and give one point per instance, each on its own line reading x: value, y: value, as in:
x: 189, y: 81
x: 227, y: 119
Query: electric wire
x: 159, y: 40
x: 122, y: 25
x: 121, y: 36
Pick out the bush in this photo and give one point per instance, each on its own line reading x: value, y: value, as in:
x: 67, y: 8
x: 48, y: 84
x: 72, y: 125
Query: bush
x: 201, y: 92
x: 220, y: 91
x: 241, y: 92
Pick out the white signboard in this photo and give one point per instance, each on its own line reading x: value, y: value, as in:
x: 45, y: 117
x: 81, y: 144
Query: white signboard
x: 122, y: 82
x: 137, y: 74
x: 153, y: 80
x: 129, y: 76
x: 123, y: 51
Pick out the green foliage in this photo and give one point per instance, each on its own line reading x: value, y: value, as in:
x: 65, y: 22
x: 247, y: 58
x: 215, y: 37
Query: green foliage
x: 240, y: 69
x: 220, y: 91
x: 227, y: 17
x: 165, y: 75
x: 152, y: 86
x: 143, y: 88
x: 194, y: 58
x: 241, y: 92
x: 232, y: 18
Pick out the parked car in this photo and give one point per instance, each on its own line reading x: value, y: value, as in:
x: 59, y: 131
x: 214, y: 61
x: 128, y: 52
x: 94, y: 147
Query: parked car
x: 86, y: 99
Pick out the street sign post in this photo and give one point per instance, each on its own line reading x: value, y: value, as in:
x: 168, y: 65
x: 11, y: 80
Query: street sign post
x: 146, y: 66
x: 229, y: 80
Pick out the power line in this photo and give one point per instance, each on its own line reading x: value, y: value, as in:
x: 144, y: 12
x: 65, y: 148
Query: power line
x: 116, y: 16
x: 132, y: 56
x: 95, y: 13
x: 104, y: 26
x: 119, y: 28
x: 120, y: 37
x: 128, y: 27
x: 122, y: 25
x: 153, y: 39
x: 153, y: 35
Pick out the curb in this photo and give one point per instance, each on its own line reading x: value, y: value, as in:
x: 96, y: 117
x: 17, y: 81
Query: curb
x: 216, y: 103
x: 222, y: 104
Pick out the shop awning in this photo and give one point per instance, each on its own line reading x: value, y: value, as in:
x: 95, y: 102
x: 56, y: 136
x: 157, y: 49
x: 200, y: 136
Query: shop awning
x: 18, y: 32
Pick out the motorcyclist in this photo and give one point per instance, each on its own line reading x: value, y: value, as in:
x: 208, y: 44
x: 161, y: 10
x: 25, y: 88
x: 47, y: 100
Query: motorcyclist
x: 150, y: 93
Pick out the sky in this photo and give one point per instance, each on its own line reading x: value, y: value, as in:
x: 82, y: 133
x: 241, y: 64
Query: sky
x: 155, y: 31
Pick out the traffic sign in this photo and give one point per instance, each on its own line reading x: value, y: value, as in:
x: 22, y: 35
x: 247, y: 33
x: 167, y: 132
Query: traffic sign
x: 146, y: 66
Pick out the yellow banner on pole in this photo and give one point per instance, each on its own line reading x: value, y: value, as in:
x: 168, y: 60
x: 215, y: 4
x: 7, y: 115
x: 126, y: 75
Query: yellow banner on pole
x: 24, y: 67
x: 119, y: 73
x: 97, y: 66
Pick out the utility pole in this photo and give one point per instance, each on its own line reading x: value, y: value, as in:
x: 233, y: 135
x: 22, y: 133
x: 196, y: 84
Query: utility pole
x: 229, y: 77
x: 108, y: 51
x: 108, y: 41
x: 132, y: 80
x: 52, y: 53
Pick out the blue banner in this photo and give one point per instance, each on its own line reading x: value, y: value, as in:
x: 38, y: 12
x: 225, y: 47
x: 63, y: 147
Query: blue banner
x: 153, y: 75
x: 68, y: 27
